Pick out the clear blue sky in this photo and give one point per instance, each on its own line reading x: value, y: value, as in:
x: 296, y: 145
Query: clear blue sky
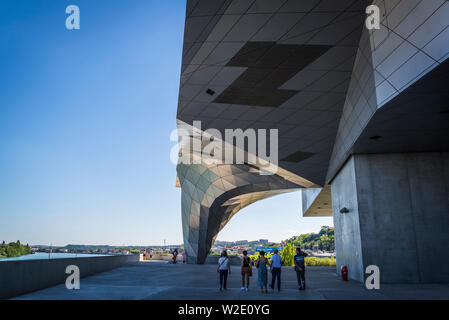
x: 85, y: 121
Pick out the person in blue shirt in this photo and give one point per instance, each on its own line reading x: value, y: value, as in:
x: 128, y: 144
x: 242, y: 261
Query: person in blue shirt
x: 300, y: 268
x: 275, y: 269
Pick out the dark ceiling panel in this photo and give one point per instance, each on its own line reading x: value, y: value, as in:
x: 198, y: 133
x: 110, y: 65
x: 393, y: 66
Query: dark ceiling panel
x: 297, y: 156
x: 269, y: 65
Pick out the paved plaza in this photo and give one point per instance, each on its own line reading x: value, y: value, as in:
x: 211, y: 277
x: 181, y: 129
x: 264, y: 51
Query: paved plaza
x: 159, y: 280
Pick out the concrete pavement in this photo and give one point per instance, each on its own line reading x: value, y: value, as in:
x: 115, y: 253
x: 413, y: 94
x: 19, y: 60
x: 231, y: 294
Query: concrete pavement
x: 159, y: 280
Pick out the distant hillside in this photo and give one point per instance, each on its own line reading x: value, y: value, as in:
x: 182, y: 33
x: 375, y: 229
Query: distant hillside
x: 83, y: 246
x: 323, y: 240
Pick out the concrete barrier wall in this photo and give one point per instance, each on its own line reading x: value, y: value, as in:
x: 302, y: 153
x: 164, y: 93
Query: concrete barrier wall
x: 213, y: 259
x: 19, y: 277
x: 165, y: 257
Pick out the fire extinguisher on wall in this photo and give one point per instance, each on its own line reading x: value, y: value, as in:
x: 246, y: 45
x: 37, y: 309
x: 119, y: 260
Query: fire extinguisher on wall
x: 344, y: 273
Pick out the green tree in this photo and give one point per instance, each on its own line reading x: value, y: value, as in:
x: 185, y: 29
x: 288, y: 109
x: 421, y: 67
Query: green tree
x: 323, y: 240
x: 14, y: 249
x: 287, y: 254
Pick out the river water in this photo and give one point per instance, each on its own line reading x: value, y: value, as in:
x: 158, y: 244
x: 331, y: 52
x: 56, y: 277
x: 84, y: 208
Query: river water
x: 56, y: 255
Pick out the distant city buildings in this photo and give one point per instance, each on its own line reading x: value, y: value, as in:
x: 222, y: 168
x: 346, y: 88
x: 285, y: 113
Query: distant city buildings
x: 103, y: 249
x: 237, y: 247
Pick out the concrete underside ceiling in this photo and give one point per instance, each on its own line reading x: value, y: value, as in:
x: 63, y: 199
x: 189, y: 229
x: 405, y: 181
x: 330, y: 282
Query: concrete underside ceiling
x: 316, y: 202
x: 415, y: 121
x: 398, y: 85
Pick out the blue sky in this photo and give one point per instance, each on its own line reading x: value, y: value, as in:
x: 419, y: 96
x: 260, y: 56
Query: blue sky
x: 85, y: 121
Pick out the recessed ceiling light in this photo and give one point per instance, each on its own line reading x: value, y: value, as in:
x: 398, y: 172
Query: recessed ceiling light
x: 344, y: 210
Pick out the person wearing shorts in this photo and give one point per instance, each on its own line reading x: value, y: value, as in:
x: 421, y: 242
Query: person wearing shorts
x: 246, y: 270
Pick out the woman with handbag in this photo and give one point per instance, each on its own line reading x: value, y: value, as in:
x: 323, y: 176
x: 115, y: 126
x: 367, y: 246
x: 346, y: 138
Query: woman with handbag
x: 246, y: 269
x: 224, y: 268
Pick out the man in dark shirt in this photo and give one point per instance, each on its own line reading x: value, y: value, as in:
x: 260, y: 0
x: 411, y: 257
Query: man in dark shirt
x: 300, y: 268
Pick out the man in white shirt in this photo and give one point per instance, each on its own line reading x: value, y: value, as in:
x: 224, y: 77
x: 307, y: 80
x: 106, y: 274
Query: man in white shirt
x: 275, y: 269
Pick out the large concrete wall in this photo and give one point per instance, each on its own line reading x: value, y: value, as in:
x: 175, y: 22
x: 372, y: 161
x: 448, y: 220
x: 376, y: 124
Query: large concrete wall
x: 347, y: 228
x: 19, y: 277
x: 398, y: 215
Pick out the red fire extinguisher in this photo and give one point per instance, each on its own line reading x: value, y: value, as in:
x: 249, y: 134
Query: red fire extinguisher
x: 344, y: 273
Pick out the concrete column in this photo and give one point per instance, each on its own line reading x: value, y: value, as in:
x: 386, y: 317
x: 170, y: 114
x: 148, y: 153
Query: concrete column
x: 397, y: 219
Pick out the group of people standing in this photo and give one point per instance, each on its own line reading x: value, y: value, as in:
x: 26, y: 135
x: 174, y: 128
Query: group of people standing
x: 262, y: 264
